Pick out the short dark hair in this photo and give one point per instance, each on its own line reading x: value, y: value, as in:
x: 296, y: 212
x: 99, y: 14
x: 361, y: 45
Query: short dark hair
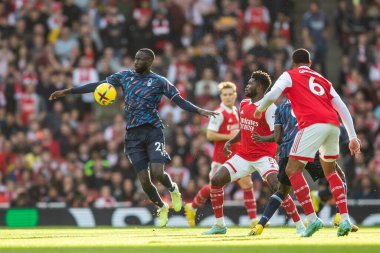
x: 263, y: 78
x: 149, y: 52
x: 301, y: 55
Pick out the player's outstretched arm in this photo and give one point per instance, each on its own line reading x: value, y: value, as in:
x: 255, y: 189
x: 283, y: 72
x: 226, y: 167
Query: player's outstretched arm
x: 87, y: 88
x: 187, y: 106
x: 268, y: 99
x: 59, y: 93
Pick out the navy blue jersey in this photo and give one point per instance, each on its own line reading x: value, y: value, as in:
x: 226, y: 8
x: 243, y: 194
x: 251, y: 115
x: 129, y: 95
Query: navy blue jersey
x: 142, y: 96
x: 285, y: 117
x: 343, y: 137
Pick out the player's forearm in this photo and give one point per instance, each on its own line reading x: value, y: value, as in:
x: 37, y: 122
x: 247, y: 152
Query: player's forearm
x: 269, y: 98
x: 278, y: 134
x: 268, y: 138
x: 87, y: 88
x: 345, y: 115
x: 235, y: 139
x: 214, y: 136
x: 184, y: 104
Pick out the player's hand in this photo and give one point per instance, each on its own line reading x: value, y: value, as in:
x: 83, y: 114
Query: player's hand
x: 354, y: 146
x: 207, y: 113
x: 58, y: 94
x: 226, y: 149
x: 258, y: 114
x: 257, y: 137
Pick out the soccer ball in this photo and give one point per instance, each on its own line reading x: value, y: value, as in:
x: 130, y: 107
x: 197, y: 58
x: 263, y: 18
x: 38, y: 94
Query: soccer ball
x: 105, y: 94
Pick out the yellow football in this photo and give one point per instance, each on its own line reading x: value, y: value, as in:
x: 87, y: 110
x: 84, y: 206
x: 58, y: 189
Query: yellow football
x: 105, y: 94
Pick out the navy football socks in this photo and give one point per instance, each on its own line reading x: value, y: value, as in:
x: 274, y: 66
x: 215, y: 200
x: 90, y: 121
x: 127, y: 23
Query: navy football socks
x: 272, y: 206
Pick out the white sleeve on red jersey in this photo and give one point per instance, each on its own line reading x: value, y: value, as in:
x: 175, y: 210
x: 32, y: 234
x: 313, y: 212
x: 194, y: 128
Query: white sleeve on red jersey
x: 269, y: 116
x: 269, y: 98
x: 215, y: 122
x: 333, y: 92
x: 345, y: 115
x: 284, y: 81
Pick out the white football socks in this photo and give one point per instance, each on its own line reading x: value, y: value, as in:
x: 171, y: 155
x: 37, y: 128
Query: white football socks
x: 311, y: 217
x: 220, y: 222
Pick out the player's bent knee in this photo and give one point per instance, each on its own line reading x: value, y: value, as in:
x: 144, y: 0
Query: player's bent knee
x: 221, y: 177
x: 273, y: 182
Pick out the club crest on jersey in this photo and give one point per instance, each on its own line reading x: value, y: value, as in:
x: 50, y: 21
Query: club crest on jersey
x: 229, y: 120
x: 150, y: 81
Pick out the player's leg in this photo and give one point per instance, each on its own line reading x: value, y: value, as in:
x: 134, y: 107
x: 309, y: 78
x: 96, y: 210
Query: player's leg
x: 191, y: 208
x: 249, y: 198
x: 157, y: 170
x: 154, y: 196
x: 218, y: 181
x: 284, y: 189
x: 136, y: 153
x: 155, y: 145
x: 316, y: 172
x: 341, y: 174
x: 202, y: 196
x: 305, y: 146
x: 235, y: 168
x: 329, y: 153
x: 280, y: 196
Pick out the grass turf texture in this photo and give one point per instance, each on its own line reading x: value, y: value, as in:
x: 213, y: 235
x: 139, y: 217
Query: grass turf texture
x: 183, y: 240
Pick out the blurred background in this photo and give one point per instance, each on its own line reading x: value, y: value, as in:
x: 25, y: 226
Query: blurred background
x: 69, y: 153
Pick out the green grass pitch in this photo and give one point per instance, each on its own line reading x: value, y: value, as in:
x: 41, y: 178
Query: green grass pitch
x: 183, y: 240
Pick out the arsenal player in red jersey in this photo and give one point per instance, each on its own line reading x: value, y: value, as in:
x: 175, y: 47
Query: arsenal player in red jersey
x: 315, y: 104
x: 221, y: 129
x: 251, y: 155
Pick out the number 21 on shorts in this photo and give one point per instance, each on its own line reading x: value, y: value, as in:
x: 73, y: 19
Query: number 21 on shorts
x: 159, y: 146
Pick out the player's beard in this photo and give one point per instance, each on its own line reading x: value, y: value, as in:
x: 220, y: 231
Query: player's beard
x: 251, y: 94
x: 142, y: 69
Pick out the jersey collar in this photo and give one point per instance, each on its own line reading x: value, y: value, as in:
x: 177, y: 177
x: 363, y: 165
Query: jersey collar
x: 229, y: 110
x: 256, y: 103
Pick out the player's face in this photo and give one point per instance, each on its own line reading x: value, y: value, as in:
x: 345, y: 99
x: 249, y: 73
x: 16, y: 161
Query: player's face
x: 228, y: 97
x: 251, y: 88
x: 142, y: 62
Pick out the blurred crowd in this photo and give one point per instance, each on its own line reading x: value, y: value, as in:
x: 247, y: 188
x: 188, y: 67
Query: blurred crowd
x: 70, y: 151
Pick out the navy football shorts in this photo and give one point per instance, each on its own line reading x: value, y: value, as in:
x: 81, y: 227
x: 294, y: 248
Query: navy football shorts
x: 314, y: 168
x: 144, y: 145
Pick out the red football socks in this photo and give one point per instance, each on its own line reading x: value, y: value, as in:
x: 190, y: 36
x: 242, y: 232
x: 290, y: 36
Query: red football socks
x: 217, y: 199
x: 250, y: 202
x: 202, y: 196
x: 302, y: 192
x: 338, y: 191
x: 290, y: 208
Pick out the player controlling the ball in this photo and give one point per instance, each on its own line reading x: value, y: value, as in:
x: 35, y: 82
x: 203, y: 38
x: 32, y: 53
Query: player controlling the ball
x: 144, y: 140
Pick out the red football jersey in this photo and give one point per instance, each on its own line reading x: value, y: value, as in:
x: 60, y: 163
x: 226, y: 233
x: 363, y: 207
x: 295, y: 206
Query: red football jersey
x: 224, y: 123
x: 310, y: 95
x: 250, y: 149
